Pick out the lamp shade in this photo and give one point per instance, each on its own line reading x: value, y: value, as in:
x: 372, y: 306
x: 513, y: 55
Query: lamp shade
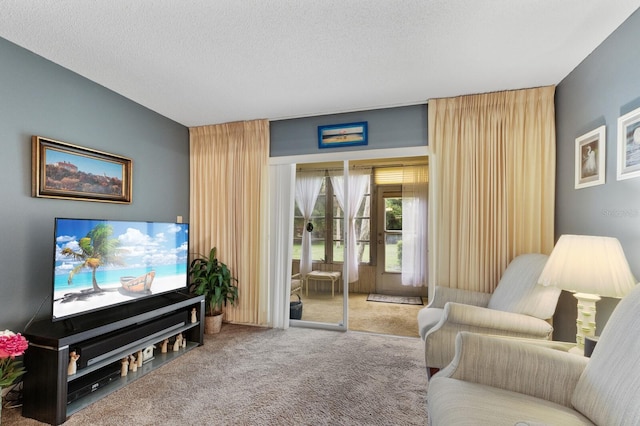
x: 588, y: 264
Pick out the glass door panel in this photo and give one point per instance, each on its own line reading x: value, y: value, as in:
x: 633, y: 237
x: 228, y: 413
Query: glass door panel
x: 321, y: 292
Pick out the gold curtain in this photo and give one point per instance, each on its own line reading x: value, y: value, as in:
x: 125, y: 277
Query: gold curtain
x: 228, y: 208
x: 494, y: 160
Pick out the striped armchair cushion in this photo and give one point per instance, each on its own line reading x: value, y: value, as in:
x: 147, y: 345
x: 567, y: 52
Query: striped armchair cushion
x: 519, y: 292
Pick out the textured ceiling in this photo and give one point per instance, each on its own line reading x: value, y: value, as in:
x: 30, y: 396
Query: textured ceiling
x: 214, y: 61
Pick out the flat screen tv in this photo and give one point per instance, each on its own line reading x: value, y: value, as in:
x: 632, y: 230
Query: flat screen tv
x: 103, y: 263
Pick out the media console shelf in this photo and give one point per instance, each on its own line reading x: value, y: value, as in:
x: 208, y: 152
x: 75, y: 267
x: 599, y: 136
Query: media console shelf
x: 102, y: 339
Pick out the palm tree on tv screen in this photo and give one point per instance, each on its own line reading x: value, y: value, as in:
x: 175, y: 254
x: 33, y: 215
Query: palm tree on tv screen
x: 96, y: 249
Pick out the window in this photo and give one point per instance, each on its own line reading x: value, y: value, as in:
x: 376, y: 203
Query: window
x: 319, y: 223
x: 327, y: 236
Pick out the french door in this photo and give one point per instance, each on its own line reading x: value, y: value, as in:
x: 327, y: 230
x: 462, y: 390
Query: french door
x: 320, y: 233
x: 389, y: 240
x: 389, y: 244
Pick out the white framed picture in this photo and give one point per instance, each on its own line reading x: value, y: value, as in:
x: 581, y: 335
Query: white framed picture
x: 629, y: 145
x: 591, y: 158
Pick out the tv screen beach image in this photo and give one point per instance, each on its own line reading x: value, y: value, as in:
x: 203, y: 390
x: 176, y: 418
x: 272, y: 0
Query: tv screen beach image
x: 100, y: 263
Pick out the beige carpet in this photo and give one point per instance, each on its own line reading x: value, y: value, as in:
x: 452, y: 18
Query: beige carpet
x: 254, y: 376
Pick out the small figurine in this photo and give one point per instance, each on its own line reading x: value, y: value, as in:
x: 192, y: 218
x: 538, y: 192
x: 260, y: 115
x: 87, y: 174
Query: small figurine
x: 133, y: 365
x: 177, y: 343
x: 73, y: 357
x: 194, y: 319
x: 147, y: 353
x: 184, y: 343
x: 124, y: 367
x: 163, y: 348
x: 139, y: 359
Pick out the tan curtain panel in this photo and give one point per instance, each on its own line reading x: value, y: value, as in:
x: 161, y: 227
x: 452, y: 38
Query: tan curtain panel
x: 228, y: 208
x: 494, y: 157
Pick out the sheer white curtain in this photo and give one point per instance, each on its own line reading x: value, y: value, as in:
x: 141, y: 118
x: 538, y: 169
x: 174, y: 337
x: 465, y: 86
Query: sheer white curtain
x: 308, y: 185
x: 358, y: 184
x: 282, y: 178
x: 414, y: 225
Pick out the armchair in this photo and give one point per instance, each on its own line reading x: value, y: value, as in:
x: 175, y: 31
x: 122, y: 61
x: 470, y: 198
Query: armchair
x: 504, y: 381
x: 518, y: 307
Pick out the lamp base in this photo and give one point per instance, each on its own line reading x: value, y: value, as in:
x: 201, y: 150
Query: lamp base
x: 586, y: 321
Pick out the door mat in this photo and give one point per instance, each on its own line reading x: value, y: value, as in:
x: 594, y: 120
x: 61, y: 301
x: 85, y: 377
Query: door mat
x: 411, y: 300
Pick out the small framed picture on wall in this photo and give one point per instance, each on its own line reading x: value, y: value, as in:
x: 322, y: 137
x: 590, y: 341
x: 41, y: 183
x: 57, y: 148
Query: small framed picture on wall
x: 629, y: 145
x: 339, y: 135
x: 591, y: 158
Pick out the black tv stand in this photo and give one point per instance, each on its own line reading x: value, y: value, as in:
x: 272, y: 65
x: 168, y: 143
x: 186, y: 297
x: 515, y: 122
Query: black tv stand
x: 102, y: 339
x: 69, y: 325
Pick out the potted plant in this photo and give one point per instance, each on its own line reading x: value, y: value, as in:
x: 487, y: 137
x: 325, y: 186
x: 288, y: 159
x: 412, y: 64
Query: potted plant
x: 213, y: 279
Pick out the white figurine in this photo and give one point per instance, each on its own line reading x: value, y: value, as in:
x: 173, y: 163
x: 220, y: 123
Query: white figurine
x: 147, y: 353
x: 139, y: 360
x: 133, y: 365
x: 177, y: 343
x: 163, y: 348
x: 184, y: 343
x: 73, y: 357
x: 194, y: 319
x: 124, y: 367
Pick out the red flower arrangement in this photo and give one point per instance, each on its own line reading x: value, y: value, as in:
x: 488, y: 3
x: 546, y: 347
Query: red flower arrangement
x: 11, y: 346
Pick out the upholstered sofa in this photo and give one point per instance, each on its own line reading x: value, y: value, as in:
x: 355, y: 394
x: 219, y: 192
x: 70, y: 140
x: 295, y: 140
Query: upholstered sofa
x: 518, y: 307
x: 506, y: 381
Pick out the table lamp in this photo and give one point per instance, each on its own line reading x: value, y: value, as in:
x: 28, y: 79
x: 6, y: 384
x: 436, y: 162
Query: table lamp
x: 590, y: 267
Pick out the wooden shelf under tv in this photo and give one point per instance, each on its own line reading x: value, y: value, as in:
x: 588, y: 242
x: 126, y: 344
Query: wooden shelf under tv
x: 46, y: 383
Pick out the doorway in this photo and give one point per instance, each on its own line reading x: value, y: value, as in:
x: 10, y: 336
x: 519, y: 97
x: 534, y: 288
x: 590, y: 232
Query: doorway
x: 389, y: 240
x: 335, y: 245
x: 377, y: 224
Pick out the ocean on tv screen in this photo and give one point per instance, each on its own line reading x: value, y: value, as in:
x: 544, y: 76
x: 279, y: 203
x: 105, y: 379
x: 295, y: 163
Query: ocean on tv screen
x: 101, y: 263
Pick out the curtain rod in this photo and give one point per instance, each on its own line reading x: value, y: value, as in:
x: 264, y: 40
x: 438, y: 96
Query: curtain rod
x: 356, y: 166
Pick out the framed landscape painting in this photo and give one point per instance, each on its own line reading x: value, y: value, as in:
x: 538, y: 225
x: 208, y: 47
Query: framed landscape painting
x: 629, y: 145
x: 63, y: 170
x: 590, y: 158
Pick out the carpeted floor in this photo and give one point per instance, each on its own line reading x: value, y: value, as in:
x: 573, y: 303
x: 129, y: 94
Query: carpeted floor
x: 254, y: 376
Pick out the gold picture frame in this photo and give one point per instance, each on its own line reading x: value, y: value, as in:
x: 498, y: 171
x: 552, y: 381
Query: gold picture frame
x: 67, y: 171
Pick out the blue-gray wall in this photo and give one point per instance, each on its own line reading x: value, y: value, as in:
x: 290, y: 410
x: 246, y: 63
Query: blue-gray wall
x: 38, y: 97
x: 388, y: 128
x: 603, y: 87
